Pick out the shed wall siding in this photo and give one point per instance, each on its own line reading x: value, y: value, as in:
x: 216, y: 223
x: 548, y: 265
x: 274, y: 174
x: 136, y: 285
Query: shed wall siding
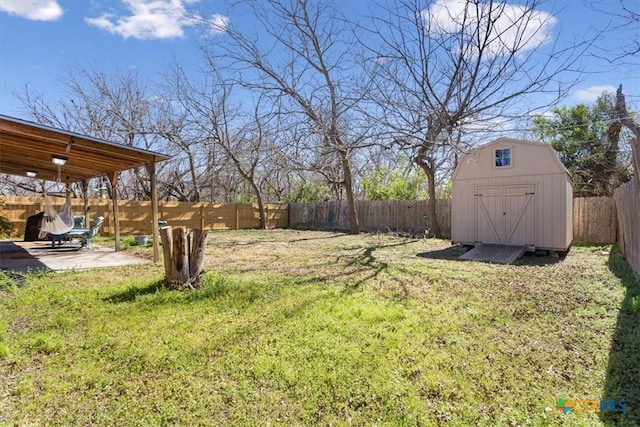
x: 552, y: 207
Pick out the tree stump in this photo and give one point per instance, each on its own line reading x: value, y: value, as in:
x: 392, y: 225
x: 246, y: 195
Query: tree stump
x: 183, y: 256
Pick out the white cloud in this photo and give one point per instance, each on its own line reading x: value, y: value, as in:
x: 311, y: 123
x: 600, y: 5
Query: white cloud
x: 153, y: 19
x: 514, y: 28
x: 218, y: 23
x: 36, y: 10
x: 592, y: 93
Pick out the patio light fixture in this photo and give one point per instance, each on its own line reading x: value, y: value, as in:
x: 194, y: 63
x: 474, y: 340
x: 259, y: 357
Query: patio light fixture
x: 59, y: 161
x: 31, y: 174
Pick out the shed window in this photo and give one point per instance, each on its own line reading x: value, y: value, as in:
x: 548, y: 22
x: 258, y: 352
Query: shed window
x: 503, y: 157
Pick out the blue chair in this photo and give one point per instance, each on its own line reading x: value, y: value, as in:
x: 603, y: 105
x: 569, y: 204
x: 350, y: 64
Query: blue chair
x: 86, y: 234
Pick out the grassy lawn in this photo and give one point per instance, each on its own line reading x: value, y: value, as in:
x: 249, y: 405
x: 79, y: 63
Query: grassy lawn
x: 308, y: 328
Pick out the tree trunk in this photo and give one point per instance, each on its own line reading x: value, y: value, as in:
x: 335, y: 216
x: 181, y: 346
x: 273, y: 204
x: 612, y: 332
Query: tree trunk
x: 196, y: 257
x: 194, y: 178
x: 611, y: 170
x: 183, y: 263
x: 249, y: 179
x: 436, y: 230
x: 167, y: 248
x: 627, y: 120
x: 263, y: 216
x: 435, y: 222
x: 635, y: 152
x: 354, y: 225
x: 178, y: 275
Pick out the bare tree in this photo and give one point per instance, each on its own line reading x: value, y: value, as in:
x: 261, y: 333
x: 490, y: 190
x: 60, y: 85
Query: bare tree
x: 305, y: 58
x: 212, y: 114
x: 622, y: 25
x: 446, y: 65
x: 625, y: 25
x: 13, y: 185
x: 184, y: 176
x: 117, y: 107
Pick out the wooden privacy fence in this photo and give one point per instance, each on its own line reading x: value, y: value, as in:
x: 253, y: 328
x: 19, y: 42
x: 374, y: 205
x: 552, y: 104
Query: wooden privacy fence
x: 627, y: 199
x: 407, y: 215
x: 135, y: 216
x: 594, y: 218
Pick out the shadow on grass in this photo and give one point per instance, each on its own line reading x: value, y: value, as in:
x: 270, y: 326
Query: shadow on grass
x: 369, y: 263
x: 236, y: 294
x: 366, y: 262
x: 451, y: 253
x: 133, y: 292
x: 531, y: 258
x: 623, y: 370
x: 9, y: 279
x: 332, y: 236
x: 357, y: 269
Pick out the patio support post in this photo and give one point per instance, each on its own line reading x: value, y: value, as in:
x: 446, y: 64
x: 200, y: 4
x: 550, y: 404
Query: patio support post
x: 116, y: 215
x: 85, y: 194
x: 151, y: 169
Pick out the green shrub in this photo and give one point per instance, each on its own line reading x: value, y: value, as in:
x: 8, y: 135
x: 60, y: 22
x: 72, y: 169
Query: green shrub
x: 6, y: 228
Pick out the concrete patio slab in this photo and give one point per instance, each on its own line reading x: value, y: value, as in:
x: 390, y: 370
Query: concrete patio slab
x: 40, y: 256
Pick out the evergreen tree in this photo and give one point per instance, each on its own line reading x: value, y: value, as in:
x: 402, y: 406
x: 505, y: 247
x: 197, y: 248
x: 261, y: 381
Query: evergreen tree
x: 580, y: 135
x: 400, y: 183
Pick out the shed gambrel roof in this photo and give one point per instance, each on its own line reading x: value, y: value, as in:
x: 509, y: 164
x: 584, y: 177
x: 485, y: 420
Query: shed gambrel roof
x: 528, y: 158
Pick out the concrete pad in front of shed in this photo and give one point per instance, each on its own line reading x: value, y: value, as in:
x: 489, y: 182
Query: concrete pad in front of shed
x: 26, y: 256
x: 501, y: 254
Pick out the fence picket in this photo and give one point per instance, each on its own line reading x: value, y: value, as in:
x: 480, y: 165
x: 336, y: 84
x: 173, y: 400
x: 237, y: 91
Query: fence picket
x: 595, y: 219
x: 135, y: 216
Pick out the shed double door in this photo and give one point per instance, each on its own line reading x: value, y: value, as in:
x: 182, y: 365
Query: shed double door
x: 505, y: 214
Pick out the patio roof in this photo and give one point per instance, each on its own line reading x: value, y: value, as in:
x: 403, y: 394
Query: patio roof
x: 27, y: 146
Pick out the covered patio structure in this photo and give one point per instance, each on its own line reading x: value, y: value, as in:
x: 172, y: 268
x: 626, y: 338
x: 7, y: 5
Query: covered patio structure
x: 29, y: 149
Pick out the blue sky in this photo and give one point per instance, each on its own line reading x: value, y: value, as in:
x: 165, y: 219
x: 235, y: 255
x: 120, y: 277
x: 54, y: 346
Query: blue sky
x: 41, y: 40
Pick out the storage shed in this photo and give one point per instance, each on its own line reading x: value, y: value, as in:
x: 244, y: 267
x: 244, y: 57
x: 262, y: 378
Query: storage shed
x: 512, y: 192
